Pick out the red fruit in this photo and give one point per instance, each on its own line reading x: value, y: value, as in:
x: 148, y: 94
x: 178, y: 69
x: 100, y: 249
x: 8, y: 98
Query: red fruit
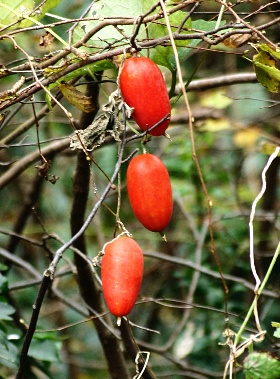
x: 122, y: 269
x: 143, y: 88
x: 149, y: 191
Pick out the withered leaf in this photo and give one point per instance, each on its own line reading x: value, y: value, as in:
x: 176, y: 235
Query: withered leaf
x: 43, y: 168
x: 107, y: 123
x: 76, y: 97
x: 238, y: 40
x: 46, y: 40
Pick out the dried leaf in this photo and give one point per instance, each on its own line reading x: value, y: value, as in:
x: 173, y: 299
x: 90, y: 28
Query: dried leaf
x: 46, y: 40
x: 107, y: 123
x: 44, y: 168
x: 76, y: 97
x: 238, y: 40
x: 118, y: 59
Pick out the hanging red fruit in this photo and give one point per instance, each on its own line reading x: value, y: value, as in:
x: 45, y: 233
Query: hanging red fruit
x: 143, y: 88
x: 149, y: 191
x: 122, y: 269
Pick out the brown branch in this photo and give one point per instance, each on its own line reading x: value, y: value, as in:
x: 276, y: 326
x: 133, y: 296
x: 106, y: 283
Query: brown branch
x: 207, y: 271
x: 133, y: 349
x: 222, y: 81
x: 46, y: 281
x: 211, y: 37
x: 21, y: 165
x: 58, y: 146
x: 88, y: 287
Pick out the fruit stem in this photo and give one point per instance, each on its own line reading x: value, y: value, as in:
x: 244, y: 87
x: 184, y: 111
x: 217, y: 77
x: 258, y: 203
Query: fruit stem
x: 163, y: 236
x: 119, y: 320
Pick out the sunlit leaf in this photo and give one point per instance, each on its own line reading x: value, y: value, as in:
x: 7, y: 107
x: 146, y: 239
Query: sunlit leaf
x: 120, y: 36
x: 268, y: 49
x: 216, y: 125
x: 110, y: 35
x: 21, y: 10
x: 266, y: 71
x: 277, y: 331
x: 14, y: 11
x: 49, y: 4
x: 237, y: 40
x: 215, y: 99
x: 261, y: 365
x: 268, y: 148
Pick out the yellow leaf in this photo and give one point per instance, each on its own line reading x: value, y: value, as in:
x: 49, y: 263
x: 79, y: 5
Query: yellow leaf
x: 215, y: 125
x: 76, y: 97
x: 246, y: 138
x: 267, y: 148
x: 238, y: 40
x: 215, y: 99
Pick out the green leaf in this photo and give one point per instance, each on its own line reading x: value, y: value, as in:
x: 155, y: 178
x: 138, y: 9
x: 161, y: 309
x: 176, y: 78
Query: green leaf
x: 203, y: 26
x: 3, y: 284
x: 277, y: 331
x: 20, y: 10
x: 110, y: 35
x: 86, y: 70
x: 261, y: 366
x: 44, y: 350
x: 5, y: 311
x: 266, y: 71
x: 8, y: 355
x: 14, y: 11
x: 8, y: 352
x: 49, y: 4
x: 268, y: 49
x: 164, y: 56
x: 3, y: 267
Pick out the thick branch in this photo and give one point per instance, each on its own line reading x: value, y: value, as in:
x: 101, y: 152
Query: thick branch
x: 88, y: 287
x: 32, y: 326
x: 222, y: 81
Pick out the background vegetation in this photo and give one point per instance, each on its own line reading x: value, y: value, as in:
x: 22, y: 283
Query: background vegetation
x: 211, y: 292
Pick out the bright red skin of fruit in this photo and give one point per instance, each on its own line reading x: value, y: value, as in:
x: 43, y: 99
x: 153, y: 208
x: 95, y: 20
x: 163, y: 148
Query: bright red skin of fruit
x: 143, y: 88
x: 149, y: 191
x: 122, y: 269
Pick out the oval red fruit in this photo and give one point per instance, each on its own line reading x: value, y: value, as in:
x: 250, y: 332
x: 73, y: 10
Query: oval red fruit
x: 149, y: 191
x: 143, y: 88
x: 122, y: 269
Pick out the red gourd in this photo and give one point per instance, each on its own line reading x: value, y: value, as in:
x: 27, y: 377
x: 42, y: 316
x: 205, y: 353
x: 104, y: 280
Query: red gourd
x: 143, y: 88
x: 122, y: 269
x: 149, y: 191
